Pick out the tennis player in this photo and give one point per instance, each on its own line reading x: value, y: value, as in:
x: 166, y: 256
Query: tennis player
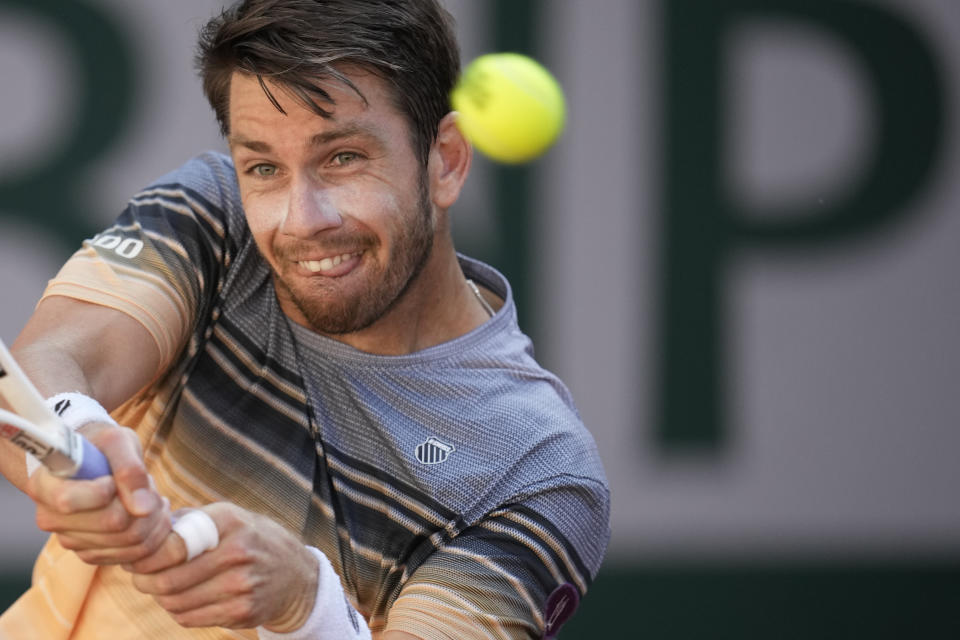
x: 332, y: 426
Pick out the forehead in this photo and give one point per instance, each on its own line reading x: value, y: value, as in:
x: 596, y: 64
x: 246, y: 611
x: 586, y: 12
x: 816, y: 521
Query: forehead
x: 371, y: 102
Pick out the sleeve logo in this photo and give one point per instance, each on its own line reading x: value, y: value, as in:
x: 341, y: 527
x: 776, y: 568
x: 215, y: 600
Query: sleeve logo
x: 559, y: 608
x: 124, y: 247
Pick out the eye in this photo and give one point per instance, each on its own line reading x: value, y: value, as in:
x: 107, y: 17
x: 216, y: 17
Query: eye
x: 264, y: 170
x: 344, y: 158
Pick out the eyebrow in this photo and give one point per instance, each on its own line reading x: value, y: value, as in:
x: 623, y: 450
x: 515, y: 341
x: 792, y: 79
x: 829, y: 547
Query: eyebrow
x: 349, y: 131
x: 234, y: 140
x: 318, y: 140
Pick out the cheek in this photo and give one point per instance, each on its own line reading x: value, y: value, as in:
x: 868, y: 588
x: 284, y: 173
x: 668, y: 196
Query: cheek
x: 388, y: 206
x: 376, y: 211
x: 263, y: 214
x: 263, y: 218
x: 391, y: 219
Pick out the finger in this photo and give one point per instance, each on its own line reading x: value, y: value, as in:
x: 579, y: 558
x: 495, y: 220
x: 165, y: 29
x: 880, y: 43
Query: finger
x: 140, y: 540
x: 112, y: 518
x: 121, y: 555
x: 198, y: 531
x: 226, y: 599
x: 110, y: 528
x: 171, y: 552
x: 181, y: 576
x: 195, y: 533
x: 70, y: 496
x: 122, y: 449
x: 240, y: 612
x: 103, y: 555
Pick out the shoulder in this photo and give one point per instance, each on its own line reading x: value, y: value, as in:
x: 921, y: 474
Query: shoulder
x: 520, y: 408
x: 210, y: 174
x: 541, y: 439
x: 520, y: 428
x: 205, y: 188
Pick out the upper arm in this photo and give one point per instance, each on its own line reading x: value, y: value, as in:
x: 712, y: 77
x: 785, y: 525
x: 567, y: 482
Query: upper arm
x: 495, y: 579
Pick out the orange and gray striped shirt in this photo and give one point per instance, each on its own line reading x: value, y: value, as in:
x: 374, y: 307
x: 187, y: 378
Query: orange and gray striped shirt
x: 454, y: 490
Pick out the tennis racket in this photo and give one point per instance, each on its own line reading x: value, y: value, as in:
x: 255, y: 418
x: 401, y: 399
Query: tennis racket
x: 36, y: 429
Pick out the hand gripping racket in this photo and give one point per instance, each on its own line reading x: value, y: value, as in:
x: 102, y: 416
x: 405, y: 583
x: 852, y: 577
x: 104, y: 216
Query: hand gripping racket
x: 36, y: 429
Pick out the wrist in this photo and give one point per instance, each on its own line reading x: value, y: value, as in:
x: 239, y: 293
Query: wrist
x: 298, y: 611
x: 331, y: 616
x: 77, y: 410
x: 80, y: 413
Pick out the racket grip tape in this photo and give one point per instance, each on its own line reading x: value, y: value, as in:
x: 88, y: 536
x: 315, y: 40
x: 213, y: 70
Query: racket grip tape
x: 93, y: 464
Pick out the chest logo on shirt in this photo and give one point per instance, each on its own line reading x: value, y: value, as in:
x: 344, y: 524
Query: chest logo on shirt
x: 433, y: 451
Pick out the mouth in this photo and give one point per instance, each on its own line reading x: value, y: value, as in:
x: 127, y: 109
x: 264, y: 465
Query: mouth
x: 332, y: 266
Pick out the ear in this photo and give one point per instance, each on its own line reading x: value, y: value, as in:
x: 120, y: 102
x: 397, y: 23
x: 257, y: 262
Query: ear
x: 449, y: 162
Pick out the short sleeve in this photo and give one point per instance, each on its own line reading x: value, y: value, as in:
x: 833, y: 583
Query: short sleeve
x: 160, y: 261
x: 516, y: 574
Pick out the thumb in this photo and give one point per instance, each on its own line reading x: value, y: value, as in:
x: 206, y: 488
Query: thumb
x: 134, y: 485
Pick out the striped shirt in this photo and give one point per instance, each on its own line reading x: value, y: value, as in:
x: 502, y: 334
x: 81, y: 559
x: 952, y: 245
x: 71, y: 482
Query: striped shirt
x: 453, y: 489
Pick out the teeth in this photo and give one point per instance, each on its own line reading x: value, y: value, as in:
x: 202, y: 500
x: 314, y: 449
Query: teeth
x: 319, y: 266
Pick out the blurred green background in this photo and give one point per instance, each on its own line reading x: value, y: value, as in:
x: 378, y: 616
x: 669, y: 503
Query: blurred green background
x: 741, y: 258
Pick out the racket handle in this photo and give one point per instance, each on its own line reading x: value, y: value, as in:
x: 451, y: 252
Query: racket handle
x: 93, y: 463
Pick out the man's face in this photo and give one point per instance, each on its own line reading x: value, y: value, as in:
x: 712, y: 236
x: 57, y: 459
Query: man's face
x: 338, y: 206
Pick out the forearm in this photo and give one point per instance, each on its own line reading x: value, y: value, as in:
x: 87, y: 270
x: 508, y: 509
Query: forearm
x: 70, y: 346
x: 73, y: 346
x: 50, y: 370
x: 51, y: 366
x: 65, y: 374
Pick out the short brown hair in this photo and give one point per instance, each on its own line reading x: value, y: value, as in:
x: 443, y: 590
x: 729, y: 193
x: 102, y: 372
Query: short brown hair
x: 300, y: 43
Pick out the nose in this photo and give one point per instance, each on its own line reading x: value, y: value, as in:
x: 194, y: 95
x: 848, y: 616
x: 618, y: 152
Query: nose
x: 310, y: 209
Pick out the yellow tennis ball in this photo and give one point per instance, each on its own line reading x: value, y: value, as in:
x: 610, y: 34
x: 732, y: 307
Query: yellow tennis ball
x: 510, y: 107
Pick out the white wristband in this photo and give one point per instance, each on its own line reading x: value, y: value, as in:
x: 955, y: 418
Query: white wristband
x: 332, y: 618
x: 76, y: 409
x: 198, y: 531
